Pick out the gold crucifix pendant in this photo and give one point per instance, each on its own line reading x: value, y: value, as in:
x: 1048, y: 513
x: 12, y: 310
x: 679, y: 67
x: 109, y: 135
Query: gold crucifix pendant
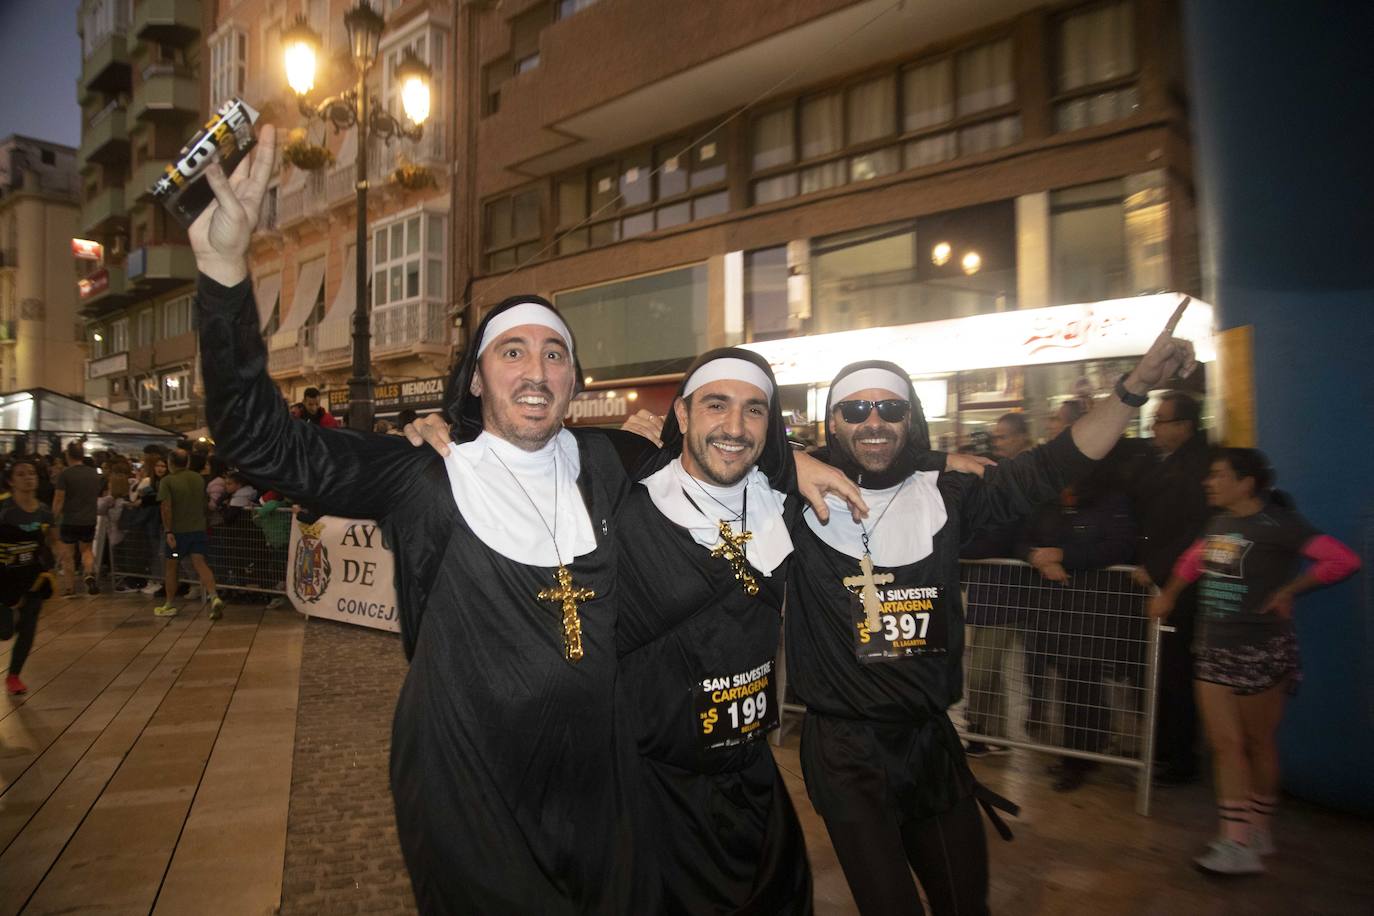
x: 731, y: 547
x: 866, y: 587
x: 569, y: 597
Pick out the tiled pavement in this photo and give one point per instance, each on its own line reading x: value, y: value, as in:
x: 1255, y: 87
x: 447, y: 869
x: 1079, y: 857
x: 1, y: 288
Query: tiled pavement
x: 160, y: 766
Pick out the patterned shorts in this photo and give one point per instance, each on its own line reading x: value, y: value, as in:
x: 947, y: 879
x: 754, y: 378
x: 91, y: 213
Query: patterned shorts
x: 1253, y: 668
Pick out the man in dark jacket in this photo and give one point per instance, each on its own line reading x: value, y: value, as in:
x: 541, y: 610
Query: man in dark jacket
x: 1171, y: 506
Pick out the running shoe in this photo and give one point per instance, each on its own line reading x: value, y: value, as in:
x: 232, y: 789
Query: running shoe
x: 165, y: 610
x: 216, y: 607
x: 1227, y: 857
x: 14, y: 687
x: 91, y: 587
x: 1262, y: 842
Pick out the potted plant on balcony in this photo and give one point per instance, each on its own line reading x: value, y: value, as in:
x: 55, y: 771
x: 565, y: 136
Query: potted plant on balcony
x: 303, y: 154
x: 412, y: 177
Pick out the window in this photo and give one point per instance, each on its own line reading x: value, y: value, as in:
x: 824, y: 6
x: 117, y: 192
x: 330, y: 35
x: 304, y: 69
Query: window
x: 176, y: 316
x: 228, y: 62
x: 145, y: 328
x: 1109, y: 239
x: 429, y: 47
x: 98, y: 342
x: 146, y: 388
x: 568, y: 8
x: 99, y: 20
x: 512, y: 229
x: 644, y: 190
x: 766, y: 308
x: 408, y: 261
x: 176, y: 389
x: 118, y: 340
x: 959, y: 104
x: 645, y: 326
x: 1096, y: 67
x: 947, y: 265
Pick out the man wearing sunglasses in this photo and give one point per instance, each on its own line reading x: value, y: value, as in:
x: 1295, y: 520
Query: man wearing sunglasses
x: 875, y: 630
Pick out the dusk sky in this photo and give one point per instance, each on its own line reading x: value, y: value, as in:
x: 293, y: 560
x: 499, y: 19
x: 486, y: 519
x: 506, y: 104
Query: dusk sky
x: 40, y: 60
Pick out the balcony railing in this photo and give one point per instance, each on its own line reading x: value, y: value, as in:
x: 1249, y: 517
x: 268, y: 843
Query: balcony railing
x: 408, y: 325
x: 330, y: 342
x: 430, y: 150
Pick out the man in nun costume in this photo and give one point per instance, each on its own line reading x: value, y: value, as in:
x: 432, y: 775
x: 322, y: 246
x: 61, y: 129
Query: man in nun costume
x: 875, y: 630
x: 507, y: 772
x: 705, y: 543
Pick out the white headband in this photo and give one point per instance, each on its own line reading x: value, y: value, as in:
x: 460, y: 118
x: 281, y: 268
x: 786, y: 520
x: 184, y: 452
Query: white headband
x: 525, y: 313
x: 869, y: 378
x: 731, y: 368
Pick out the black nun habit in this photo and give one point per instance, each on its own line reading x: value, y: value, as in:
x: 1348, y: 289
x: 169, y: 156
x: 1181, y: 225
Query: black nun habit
x: 882, y: 762
x: 505, y: 768
x: 698, y: 681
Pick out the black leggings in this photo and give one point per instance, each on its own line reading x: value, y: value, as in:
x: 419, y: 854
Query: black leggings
x: 948, y: 852
x: 29, y: 606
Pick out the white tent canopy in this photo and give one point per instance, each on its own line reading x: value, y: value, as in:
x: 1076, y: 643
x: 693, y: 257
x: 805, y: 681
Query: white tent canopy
x: 41, y: 415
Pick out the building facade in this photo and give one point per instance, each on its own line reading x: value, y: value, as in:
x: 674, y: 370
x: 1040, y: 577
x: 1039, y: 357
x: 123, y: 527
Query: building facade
x: 142, y: 93
x: 774, y: 173
x: 41, y: 340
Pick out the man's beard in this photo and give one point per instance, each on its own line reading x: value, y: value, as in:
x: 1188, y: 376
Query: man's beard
x: 701, y: 451
x: 873, y: 464
x: 516, y: 430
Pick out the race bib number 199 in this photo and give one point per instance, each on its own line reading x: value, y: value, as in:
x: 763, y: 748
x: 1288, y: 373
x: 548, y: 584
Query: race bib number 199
x: 735, y: 708
x: 912, y: 622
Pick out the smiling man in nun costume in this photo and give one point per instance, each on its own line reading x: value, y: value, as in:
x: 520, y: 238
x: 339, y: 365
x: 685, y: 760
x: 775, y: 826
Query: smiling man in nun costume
x: 506, y: 769
x: 875, y: 630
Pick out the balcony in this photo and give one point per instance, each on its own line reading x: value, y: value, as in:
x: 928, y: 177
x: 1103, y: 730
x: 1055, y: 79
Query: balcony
x: 156, y: 267
x: 330, y: 344
x: 106, y: 68
x: 430, y: 150
x: 102, y: 208
x: 106, y: 137
x: 400, y: 330
x: 170, y: 22
x: 142, y: 179
x: 167, y: 93
x: 103, y: 291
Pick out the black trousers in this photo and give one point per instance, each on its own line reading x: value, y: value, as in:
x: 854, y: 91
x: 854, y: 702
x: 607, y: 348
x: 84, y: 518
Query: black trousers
x: 948, y: 853
x: 27, y: 610
x: 1176, y: 722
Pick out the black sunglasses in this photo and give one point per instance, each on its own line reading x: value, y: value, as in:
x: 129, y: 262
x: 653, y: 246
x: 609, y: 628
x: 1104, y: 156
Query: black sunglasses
x: 892, y: 410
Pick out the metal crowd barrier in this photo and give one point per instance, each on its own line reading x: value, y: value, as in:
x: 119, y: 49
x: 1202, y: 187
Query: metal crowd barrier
x: 1065, y: 669
x: 248, y: 553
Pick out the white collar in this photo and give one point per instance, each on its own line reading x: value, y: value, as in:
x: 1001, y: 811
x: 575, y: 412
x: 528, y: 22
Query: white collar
x: 498, y: 485
x: 902, y: 522
x: 685, y: 502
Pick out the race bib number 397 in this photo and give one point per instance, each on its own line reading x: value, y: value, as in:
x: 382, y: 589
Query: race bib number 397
x: 912, y: 622
x: 734, y: 708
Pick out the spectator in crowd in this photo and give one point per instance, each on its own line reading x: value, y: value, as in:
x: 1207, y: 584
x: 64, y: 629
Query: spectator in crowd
x: 242, y: 493
x: 110, y: 508
x: 48, y: 469
x: 1249, y: 564
x: 995, y: 614
x: 1171, y: 503
x: 384, y: 427
x: 181, y: 498
x: 312, y: 412
x: 1089, y: 528
x: 145, y: 497
x: 1011, y: 436
x: 216, y: 489
x: 78, y: 488
x: 1065, y: 415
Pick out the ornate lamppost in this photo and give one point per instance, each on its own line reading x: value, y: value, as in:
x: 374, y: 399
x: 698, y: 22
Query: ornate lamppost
x: 355, y: 108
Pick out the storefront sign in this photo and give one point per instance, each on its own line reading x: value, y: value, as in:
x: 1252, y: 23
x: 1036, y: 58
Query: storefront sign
x: 341, y: 569
x: 613, y: 406
x: 1068, y: 333
x: 388, y: 397
x: 97, y: 282
x: 99, y: 368
x: 87, y: 250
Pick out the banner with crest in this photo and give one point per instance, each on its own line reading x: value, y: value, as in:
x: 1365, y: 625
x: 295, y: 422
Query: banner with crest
x: 342, y: 569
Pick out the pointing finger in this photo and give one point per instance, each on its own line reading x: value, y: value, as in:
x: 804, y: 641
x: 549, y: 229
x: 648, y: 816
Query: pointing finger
x: 1177, y: 316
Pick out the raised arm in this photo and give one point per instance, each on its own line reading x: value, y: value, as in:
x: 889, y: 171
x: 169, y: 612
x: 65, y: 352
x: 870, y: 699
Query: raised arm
x: 333, y: 471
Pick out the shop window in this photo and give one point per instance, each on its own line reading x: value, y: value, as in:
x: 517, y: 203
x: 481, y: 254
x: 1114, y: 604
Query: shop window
x: 947, y: 265
x: 512, y: 229
x: 960, y: 104
x: 641, y: 191
x: 646, y: 326
x: 766, y: 311
x: 1096, y: 66
x: 1109, y: 239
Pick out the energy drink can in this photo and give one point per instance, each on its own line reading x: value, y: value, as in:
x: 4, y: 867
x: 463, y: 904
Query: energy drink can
x: 183, y: 189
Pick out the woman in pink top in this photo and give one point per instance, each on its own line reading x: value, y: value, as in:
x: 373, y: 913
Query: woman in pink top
x: 1255, y: 556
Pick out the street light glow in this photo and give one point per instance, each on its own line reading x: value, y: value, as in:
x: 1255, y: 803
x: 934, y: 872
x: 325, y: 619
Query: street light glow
x: 415, y: 99
x: 972, y: 263
x: 939, y: 255
x: 300, y: 67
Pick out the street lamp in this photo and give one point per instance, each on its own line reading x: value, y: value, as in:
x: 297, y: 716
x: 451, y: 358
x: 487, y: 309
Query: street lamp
x: 350, y: 108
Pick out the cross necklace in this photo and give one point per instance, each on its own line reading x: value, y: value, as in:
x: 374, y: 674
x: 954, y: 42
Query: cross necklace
x: 865, y: 585
x: 566, y: 593
x: 732, y: 546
